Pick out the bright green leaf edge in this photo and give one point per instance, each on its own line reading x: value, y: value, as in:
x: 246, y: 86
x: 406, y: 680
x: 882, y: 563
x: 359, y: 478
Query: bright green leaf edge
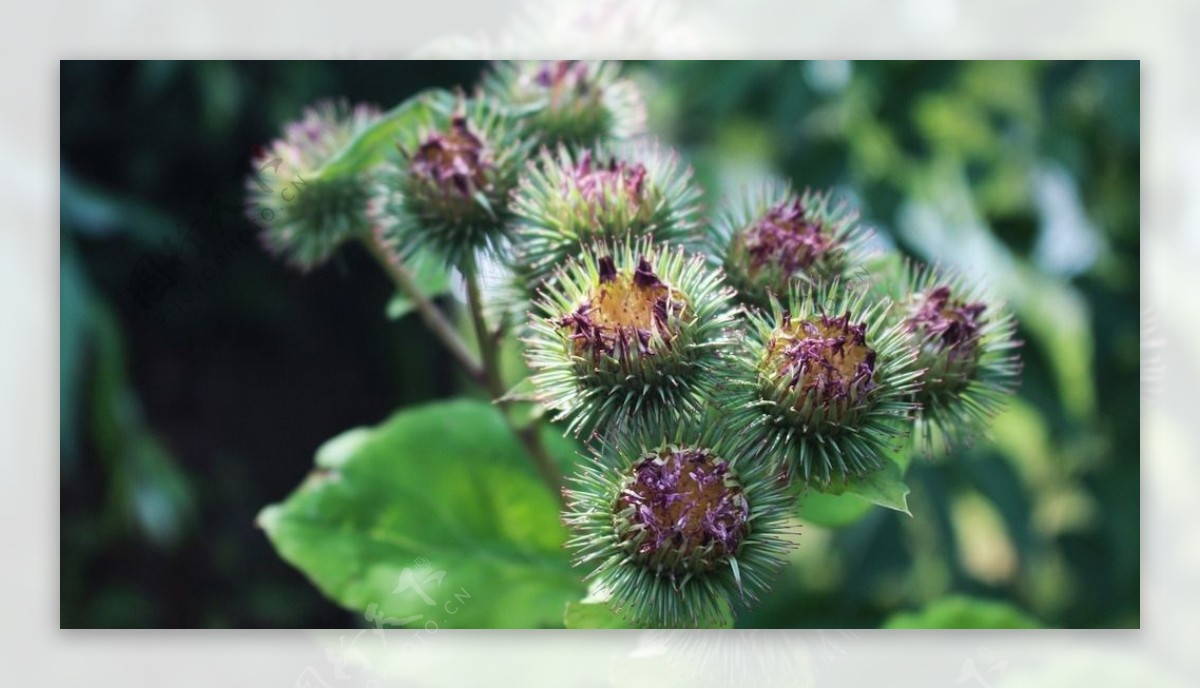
x: 845, y: 503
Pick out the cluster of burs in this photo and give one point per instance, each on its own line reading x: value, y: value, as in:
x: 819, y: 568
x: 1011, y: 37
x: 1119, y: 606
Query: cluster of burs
x: 717, y: 366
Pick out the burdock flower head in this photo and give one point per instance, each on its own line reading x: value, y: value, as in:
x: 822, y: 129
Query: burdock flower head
x: 576, y: 103
x: 628, y: 330
x: 675, y: 523
x: 565, y: 202
x: 773, y: 237
x: 305, y: 215
x: 824, y: 383
x: 447, y: 187
x: 965, y: 348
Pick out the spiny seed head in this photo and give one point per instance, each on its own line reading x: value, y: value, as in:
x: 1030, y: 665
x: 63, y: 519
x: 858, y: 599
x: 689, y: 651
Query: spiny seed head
x: 305, y: 215
x: 823, y: 382
x: 570, y: 102
x: 966, y: 351
x: 681, y: 508
x: 675, y: 522
x: 948, y: 331
x: 826, y: 361
x: 598, y: 184
x: 623, y: 311
x: 627, y: 330
x: 446, y: 188
x: 451, y: 164
x: 773, y: 237
x: 567, y: 201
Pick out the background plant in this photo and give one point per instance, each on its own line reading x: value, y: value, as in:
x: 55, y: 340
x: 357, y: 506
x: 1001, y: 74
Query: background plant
x: 871, y: 165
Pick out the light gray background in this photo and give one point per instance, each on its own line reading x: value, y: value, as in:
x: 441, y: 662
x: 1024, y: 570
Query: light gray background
x: 34, y: 36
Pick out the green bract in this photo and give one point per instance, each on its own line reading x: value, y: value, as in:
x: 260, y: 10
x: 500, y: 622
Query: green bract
x: 966, y: 351
x: 629, y: 330
x: 567, y: 201
x: 823, y: 383
x: 303, y: 216
x: 772, y: 237
x: 675, y: 523
x: 446, y: 188
x: 576, y: 103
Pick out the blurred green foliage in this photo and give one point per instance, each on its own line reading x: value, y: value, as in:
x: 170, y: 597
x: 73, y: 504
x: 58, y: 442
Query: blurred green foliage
x: 197, y: 383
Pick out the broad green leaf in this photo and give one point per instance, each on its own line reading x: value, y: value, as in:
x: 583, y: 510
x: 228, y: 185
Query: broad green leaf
x: 885, y: 488
x: 341, y: 448
x: 846, y: 502
x: 372, y: 145
x: 429, y: 274
x: 831, y: 511
x: 435, y: 517
x: 964, y: 612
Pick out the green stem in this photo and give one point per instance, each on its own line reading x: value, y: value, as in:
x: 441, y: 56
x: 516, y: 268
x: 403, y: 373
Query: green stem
x: 429, y: 312
x: 530, y: 434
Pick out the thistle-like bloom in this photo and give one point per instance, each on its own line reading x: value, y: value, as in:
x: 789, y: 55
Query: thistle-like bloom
x: 676, y: 523
x: 824, y: 383
x: 305, y: 217
x: 965, y: 348
x: 575, y: 103
x: 566, y: 202
x: 634, y: 330
x: 772, y: 237
x: 447, y: 189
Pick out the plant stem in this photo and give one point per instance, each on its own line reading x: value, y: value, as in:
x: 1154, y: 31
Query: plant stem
x: 486, y: 373
x: 430, y: 313
x: 530, y: 434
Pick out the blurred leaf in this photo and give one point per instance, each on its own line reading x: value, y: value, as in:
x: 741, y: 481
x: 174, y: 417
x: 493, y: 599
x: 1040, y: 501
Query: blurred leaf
x: 220, y: 86
x: 74, y: 323
x: 374, y: 143
x: 147, y: 488
x: 963, y: 612
x: 955, y: 124
x: 435, y: 515
x: 90, y: 210
x: 431, y: 276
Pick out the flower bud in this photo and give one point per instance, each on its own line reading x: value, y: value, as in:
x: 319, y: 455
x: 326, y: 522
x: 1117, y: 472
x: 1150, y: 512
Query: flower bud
x: 773, y: 238
x: 304, y: 217
x: 575, y: 103
x: 824, y: 383
x: 447, y: 189
x: 676, y: 523
x: 566, y: 202
x: 965, y: 351
x: 628, y: 331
